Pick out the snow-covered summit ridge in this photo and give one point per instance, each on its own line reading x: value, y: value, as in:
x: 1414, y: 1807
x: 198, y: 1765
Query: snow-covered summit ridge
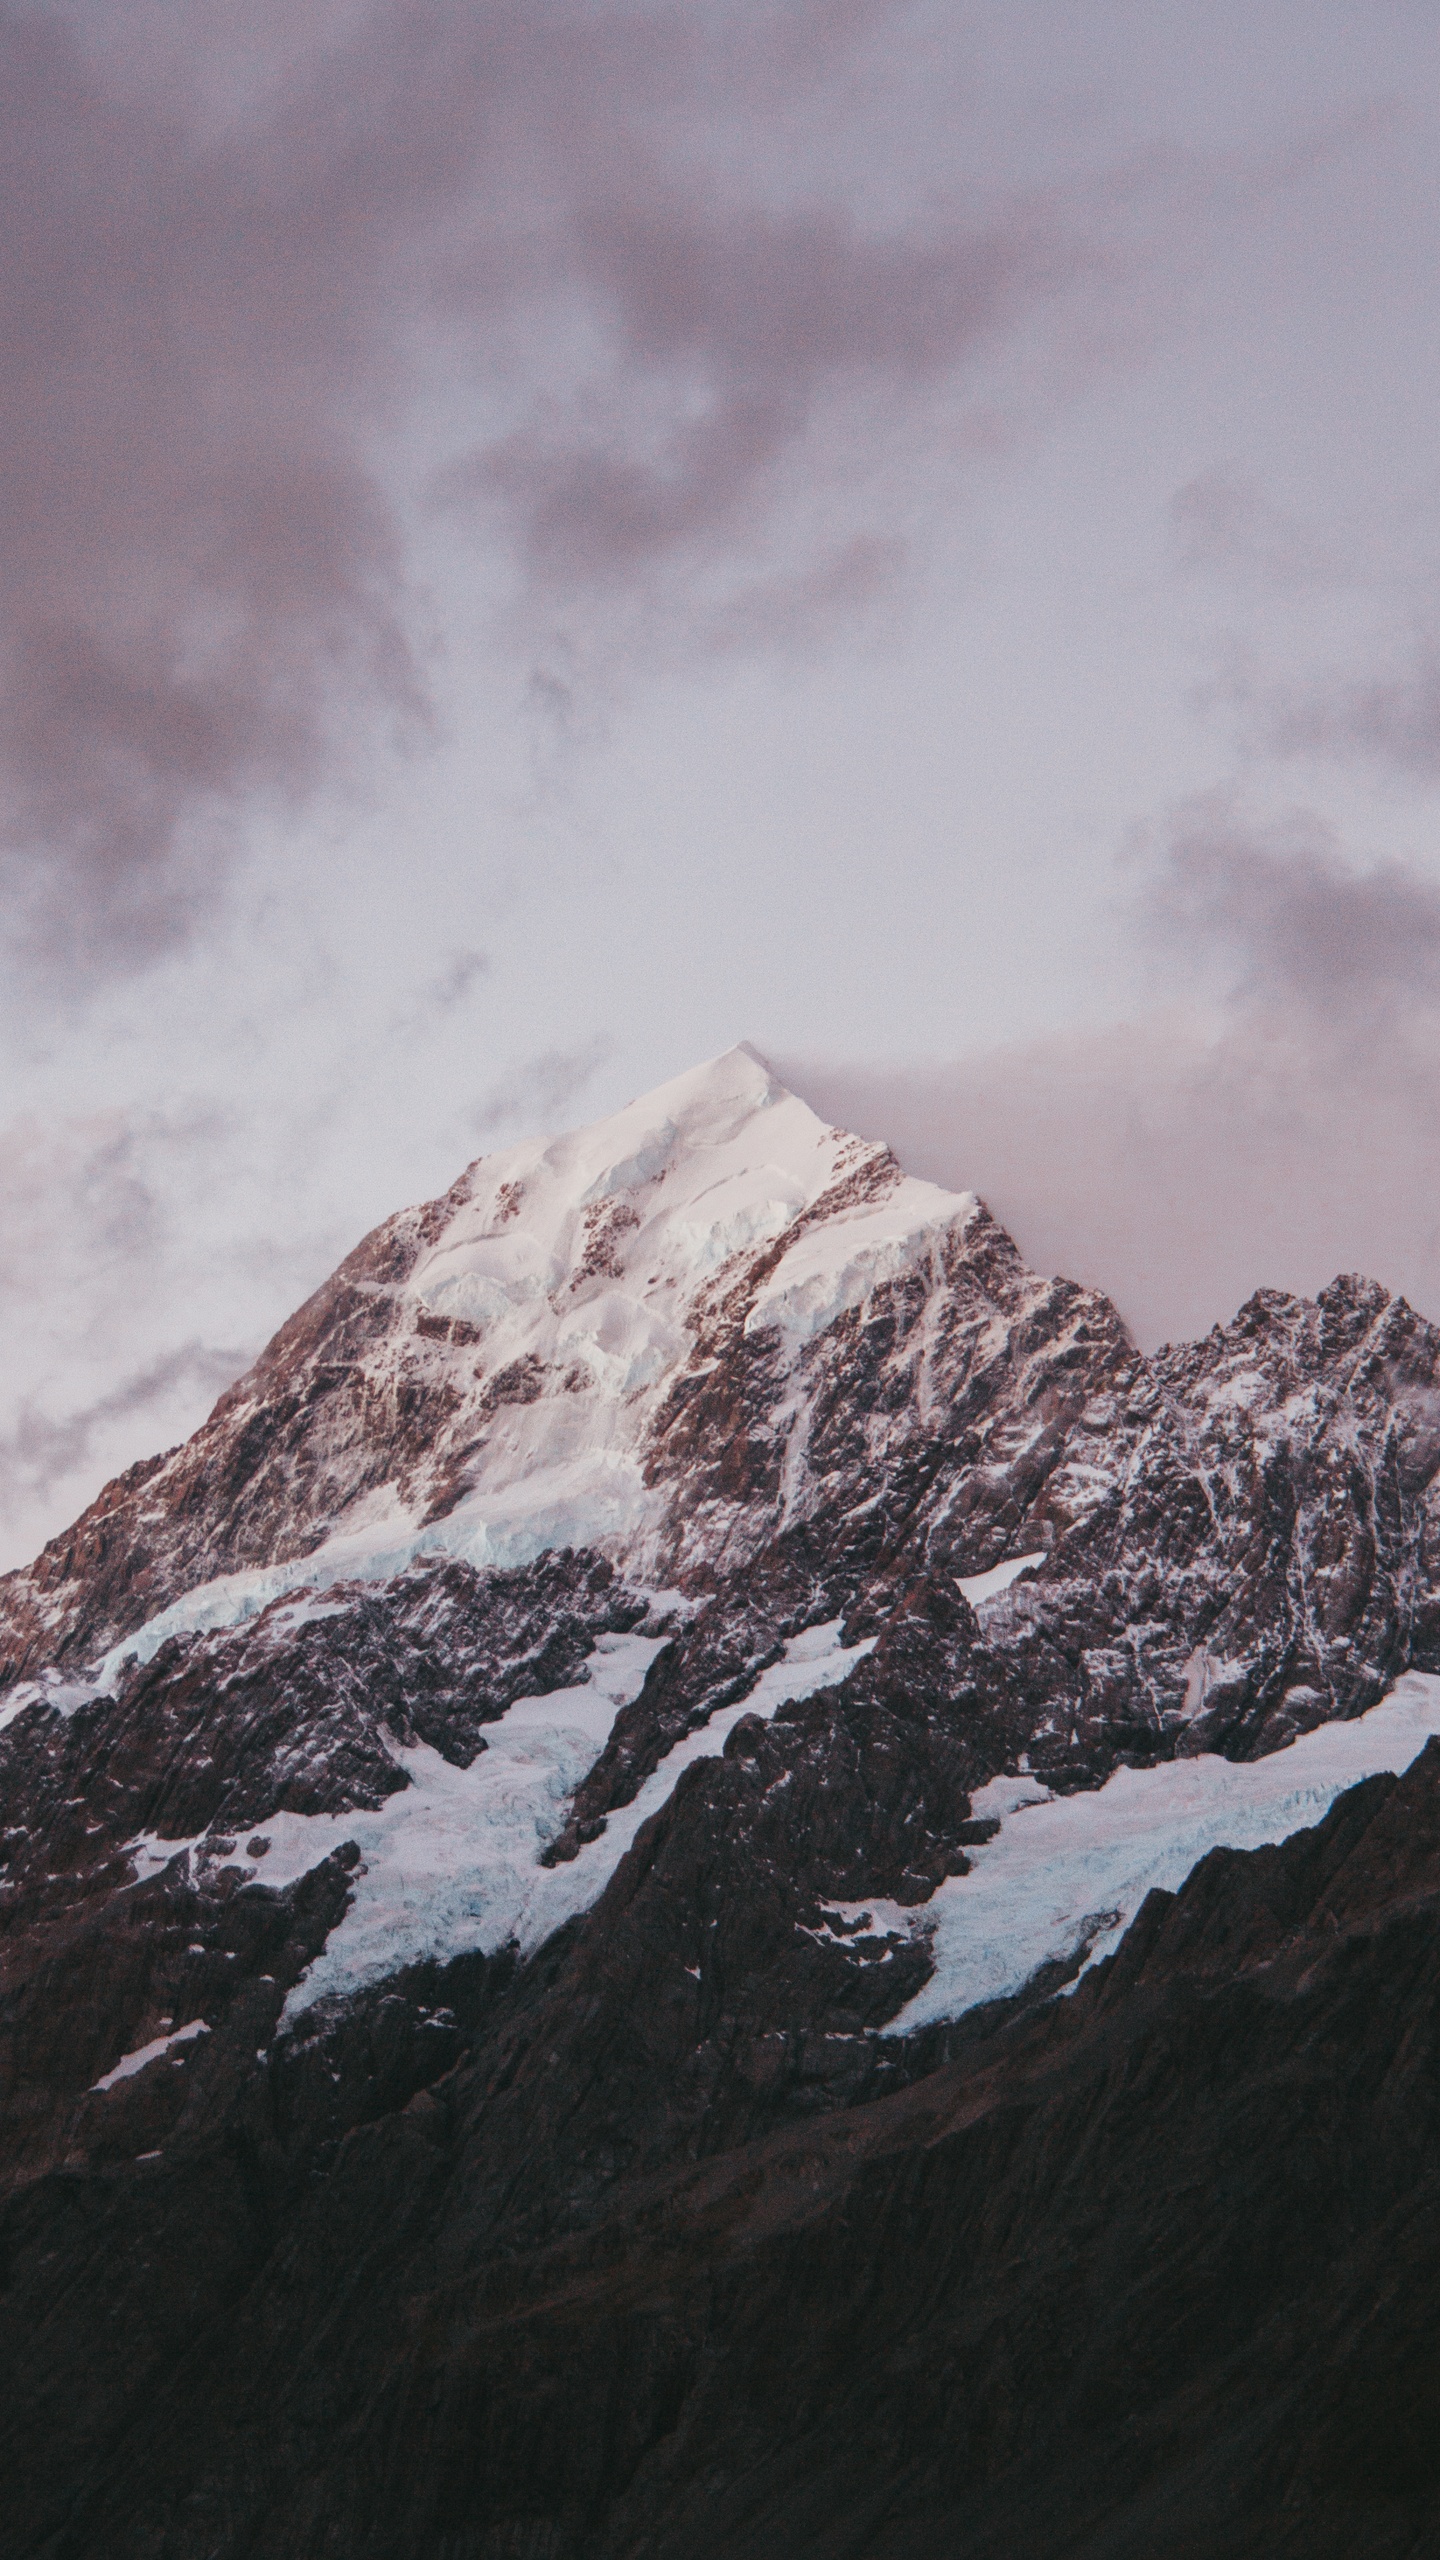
x: 525, y: 1364
x: 590, y: 1247
x: 577, y: 1275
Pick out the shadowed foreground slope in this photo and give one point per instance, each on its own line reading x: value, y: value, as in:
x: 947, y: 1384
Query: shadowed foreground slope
x: 1152, y: 2268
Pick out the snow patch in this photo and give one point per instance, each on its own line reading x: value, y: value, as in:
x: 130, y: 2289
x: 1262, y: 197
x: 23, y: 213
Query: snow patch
x: 130, y: 2063
x: 1068, y: 1873
x: 834, y: 1267
x: 980, y: 1587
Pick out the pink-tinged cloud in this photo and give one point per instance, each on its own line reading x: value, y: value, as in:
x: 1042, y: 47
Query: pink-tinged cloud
x: 1184, y: 1159
x: 1280, y: 910
x: 728, y: 329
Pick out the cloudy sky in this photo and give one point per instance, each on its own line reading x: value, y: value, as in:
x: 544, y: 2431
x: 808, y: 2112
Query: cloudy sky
x: 538, y: 541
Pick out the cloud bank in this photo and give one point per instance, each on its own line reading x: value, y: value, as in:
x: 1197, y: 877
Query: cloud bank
x: 1274, y: 1122
x: 242, y: 285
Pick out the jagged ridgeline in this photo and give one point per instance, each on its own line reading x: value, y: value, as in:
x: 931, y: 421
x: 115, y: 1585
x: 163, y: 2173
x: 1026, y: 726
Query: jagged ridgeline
x: 548, y: 1852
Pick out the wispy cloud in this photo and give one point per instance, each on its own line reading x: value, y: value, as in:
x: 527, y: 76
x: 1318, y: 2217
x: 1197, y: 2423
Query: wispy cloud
x: 1222, y: 521
x: 1391, y: 720
x: 42, y: 1450
x: 102, y: 1266
x: 542, y: 1089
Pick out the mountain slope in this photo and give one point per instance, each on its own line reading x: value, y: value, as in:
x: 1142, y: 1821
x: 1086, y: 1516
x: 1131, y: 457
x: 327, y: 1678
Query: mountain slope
x: 568, y: 1722
x: 1151, y: 2269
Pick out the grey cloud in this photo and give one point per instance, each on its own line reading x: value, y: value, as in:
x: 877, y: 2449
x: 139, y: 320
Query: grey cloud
x: 87, y: 1258
x: 1391, y: 720
x: 153, y: 1249
x: 537, y: 1093
x: 1289, y: 917
x: 197, y: 568
x: 791, y: 613
x: 41, y: 1450
x: 91, y: 1194
x: 444, y: 994
x: 1184, y: 1159
x: 1223, y: 521
x: 457, y: 982
x: 729, y: 327
x: 231, y: 266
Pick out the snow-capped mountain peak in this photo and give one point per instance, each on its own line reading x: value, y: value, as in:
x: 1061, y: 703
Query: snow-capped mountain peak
x: 538, y: 1359
x: 593, y: 1246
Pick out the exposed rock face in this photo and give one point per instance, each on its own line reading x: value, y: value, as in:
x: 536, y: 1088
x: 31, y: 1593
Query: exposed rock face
x: 454, y: 1956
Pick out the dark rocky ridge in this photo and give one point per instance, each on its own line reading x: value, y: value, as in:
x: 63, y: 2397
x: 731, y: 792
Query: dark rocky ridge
x: 653, y: 2242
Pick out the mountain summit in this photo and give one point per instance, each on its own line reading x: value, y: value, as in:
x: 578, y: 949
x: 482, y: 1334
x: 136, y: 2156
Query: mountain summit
x: 633, y: 1338
x: 543, y: 1847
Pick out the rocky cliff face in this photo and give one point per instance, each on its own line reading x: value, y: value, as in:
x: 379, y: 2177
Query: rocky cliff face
x: 488, y: 1827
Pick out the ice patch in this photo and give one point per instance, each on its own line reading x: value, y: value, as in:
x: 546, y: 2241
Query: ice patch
x: 303, y: 1611
x: 483, y: 1297
x: 555, y: 1512
x: 648, y: 1161
x: 980, y: 1587
x: 1066, y: 1873
x: 385, y: 1545
x: 51, y: 1690
x: 130, y: 2063
x: 731, y: 1228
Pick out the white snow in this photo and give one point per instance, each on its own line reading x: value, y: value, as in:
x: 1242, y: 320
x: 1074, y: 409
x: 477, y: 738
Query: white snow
x: 1067, y: 1872
x: 130, y: 2063
x: 451, y: 1862
x: 587, y: 1258
x: 980, y: 1587
x: 816, y: 1284
x: 51, y: 1690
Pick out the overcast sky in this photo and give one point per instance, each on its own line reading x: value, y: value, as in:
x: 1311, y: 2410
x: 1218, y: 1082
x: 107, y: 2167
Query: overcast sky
x: 537, y: 542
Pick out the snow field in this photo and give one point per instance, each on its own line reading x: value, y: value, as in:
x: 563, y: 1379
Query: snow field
x: 451, y: 1863
x: 1068, y: 1873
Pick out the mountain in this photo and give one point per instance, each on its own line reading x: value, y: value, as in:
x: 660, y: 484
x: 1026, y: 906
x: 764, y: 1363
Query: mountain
x: 643, y: 1905
x: 670, y: 1337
